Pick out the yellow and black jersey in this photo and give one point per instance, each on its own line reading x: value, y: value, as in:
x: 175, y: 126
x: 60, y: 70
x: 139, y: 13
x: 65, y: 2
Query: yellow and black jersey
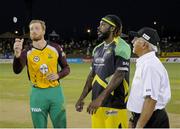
x: 41, y: 62
x: 107, y: 58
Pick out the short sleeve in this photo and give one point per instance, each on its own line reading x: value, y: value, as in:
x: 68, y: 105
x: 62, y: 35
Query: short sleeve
x: 121, y: 63
x: 150, y: 82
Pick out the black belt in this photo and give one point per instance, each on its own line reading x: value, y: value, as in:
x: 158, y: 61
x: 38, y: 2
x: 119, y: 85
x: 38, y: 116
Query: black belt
x: 159, y: 118
x: 137, y: 115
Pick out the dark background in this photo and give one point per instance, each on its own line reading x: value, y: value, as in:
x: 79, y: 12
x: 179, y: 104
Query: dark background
x: 72, y: 18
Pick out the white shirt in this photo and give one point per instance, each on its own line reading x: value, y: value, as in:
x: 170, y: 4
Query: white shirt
x: 150, y: 79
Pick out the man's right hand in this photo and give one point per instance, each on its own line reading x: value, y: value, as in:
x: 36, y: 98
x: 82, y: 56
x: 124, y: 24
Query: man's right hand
x: 18, y: 45
x: 131, y: 125
x: 79, y: 105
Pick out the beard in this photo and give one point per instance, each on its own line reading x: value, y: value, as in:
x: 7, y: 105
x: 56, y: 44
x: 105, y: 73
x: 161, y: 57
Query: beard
x: 36, y: 38
x: 103, y: 35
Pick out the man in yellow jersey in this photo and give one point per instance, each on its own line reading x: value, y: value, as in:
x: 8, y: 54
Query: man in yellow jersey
x: 42, y: 60
x: 109, y: 77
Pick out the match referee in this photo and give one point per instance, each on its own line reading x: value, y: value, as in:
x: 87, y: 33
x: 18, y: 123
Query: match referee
x: 150, y: 91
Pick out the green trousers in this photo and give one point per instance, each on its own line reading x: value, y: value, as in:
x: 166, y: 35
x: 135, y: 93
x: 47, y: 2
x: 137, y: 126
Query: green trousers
x: 48, y: 101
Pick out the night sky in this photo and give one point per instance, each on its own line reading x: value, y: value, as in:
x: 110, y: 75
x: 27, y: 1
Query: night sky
x: 73, y: 17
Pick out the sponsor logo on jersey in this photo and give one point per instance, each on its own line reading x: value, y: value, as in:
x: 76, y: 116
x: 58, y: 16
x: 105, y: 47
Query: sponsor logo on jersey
x: 36, y: 110
x: 36, y: 59
x: 111, y: 112
x: 99, y: 60
x: 50, y: 56
x: 44, y: 68
x: 126, y: 63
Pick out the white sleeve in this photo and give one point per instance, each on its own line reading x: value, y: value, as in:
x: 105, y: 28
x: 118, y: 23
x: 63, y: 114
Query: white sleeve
x: 151, y: 82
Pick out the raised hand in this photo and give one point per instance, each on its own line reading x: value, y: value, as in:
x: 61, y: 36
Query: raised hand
x: 18, y: 45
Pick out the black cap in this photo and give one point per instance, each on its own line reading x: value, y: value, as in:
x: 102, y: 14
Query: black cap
x: 112, y: 20
x: 147, y: 33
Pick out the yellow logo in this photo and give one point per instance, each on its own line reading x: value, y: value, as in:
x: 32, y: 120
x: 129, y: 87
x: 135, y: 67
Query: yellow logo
x: 50, y: 56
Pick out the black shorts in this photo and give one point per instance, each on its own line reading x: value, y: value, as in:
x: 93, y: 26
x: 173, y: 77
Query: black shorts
x: 159, y: 119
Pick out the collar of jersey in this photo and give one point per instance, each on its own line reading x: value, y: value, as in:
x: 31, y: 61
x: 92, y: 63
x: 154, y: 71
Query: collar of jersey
x: 42, y: 48
x: 116, y: 39
x: 106, y: 45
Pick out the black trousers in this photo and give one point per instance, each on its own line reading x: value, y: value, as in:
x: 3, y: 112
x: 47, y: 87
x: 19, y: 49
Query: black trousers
x: 159, y: 119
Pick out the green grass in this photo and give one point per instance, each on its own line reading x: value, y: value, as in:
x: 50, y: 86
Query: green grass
x: 15, y: 124
x: 174, y: 75
x: 17, y: 88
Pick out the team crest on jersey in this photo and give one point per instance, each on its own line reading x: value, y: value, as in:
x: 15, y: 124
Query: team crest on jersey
x: 36, y: 58
x: 108, y: 51
x: 44, y: 68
